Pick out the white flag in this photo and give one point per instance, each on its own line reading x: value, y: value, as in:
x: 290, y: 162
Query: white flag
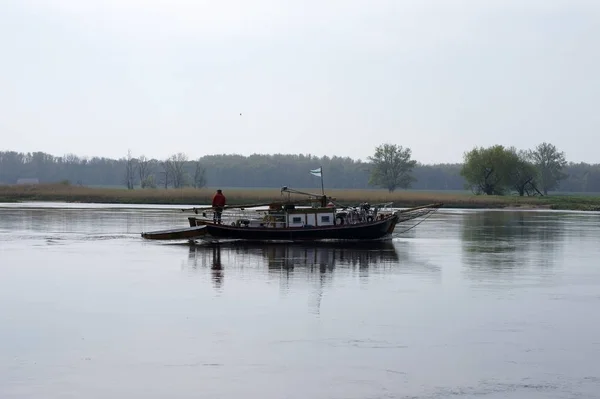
x: 316, y: 172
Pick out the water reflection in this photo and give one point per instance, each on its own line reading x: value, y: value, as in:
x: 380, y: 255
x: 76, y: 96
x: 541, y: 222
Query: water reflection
x: 217, y: 267
x: 314, y: 257
x: 326, y: 257
x: 505, y: 240
x: 312, y: 264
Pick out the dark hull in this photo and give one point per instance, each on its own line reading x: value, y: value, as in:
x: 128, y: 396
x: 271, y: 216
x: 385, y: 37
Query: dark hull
x: 363, y: 231
x: 176, y: 234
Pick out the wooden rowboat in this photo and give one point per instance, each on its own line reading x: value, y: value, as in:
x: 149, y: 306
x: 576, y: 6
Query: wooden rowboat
x: 188, y: 233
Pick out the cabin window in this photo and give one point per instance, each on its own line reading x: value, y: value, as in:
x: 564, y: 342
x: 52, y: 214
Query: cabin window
x: 296, y: 219
x: 325, y: 219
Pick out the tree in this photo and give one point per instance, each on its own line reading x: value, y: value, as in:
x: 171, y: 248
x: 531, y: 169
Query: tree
x: 175, y: 168
x: 144, y: 167
x: 199, y: 176
x: 523, y: 174
x: 488, y: 170
x: 550, y: 163
x: 166, y: 173
x: 129, y: 171
x: 149, y: 182
x: 391, y: 167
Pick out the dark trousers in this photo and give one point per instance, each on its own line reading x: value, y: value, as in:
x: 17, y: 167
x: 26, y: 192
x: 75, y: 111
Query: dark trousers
x: 217, y: 214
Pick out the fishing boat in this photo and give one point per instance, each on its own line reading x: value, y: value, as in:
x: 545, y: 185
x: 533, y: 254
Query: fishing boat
x: 317, y: 217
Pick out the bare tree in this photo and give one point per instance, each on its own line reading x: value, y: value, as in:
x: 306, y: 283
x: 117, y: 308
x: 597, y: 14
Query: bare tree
x: 166, y: 173
x: 174, y: 172
x: 71, y: 159
x: 199, y: 175
x: 144, y: 166
x: 175, y: 164
x: 129, y: 171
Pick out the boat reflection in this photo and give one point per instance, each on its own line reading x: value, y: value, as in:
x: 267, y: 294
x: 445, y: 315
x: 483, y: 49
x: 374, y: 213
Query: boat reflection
x: 321, y: 257
x: 310, y: 264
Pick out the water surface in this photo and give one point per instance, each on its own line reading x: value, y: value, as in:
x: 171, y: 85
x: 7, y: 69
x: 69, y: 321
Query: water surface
x: 468, y: 304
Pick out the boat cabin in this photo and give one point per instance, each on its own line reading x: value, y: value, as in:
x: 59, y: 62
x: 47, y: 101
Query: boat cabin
x: 310, y: 217
x: 291, y: 216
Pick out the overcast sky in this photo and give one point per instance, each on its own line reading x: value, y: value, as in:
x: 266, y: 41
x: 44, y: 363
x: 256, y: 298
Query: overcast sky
x: 323, y: 77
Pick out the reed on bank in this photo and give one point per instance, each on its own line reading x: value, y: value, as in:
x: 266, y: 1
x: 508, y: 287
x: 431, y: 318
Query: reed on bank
x: 236, y: 196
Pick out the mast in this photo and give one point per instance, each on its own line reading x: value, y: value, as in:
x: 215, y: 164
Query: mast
x: 319, y: 172
x: 324, y: 197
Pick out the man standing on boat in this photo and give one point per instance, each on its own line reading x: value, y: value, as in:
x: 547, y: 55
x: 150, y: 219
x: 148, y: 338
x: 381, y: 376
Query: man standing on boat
x: 218, y: 203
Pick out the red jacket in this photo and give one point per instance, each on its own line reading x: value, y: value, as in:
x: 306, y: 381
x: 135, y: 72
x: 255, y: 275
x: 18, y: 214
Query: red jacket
x: 219, y: 200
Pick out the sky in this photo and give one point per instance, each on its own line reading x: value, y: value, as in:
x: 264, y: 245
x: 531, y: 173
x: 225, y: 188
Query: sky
x: 328, y: 77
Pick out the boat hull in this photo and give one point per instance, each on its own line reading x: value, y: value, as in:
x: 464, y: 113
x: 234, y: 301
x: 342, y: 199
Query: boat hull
x: 363, y: 231
x: 177, y: 234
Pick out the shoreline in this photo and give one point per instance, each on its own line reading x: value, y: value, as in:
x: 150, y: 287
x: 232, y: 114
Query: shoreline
x: 238, y: 196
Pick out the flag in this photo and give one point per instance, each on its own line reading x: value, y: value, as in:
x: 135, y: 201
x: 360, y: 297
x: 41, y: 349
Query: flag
x: 316, y: 172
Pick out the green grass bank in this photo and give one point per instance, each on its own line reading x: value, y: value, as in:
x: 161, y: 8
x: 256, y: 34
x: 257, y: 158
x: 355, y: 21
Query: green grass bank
x: 236, y: 196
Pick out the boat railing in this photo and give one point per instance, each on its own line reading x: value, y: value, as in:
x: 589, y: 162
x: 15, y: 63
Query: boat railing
x: 384, y: 206
x: 268, y: 217
x: 229, y: 216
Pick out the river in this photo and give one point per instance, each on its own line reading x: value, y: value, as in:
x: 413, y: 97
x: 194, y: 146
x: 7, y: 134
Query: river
x: 469, y: 304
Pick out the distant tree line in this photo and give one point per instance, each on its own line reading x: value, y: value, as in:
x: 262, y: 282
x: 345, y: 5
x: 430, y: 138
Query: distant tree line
x: 494, y: 170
